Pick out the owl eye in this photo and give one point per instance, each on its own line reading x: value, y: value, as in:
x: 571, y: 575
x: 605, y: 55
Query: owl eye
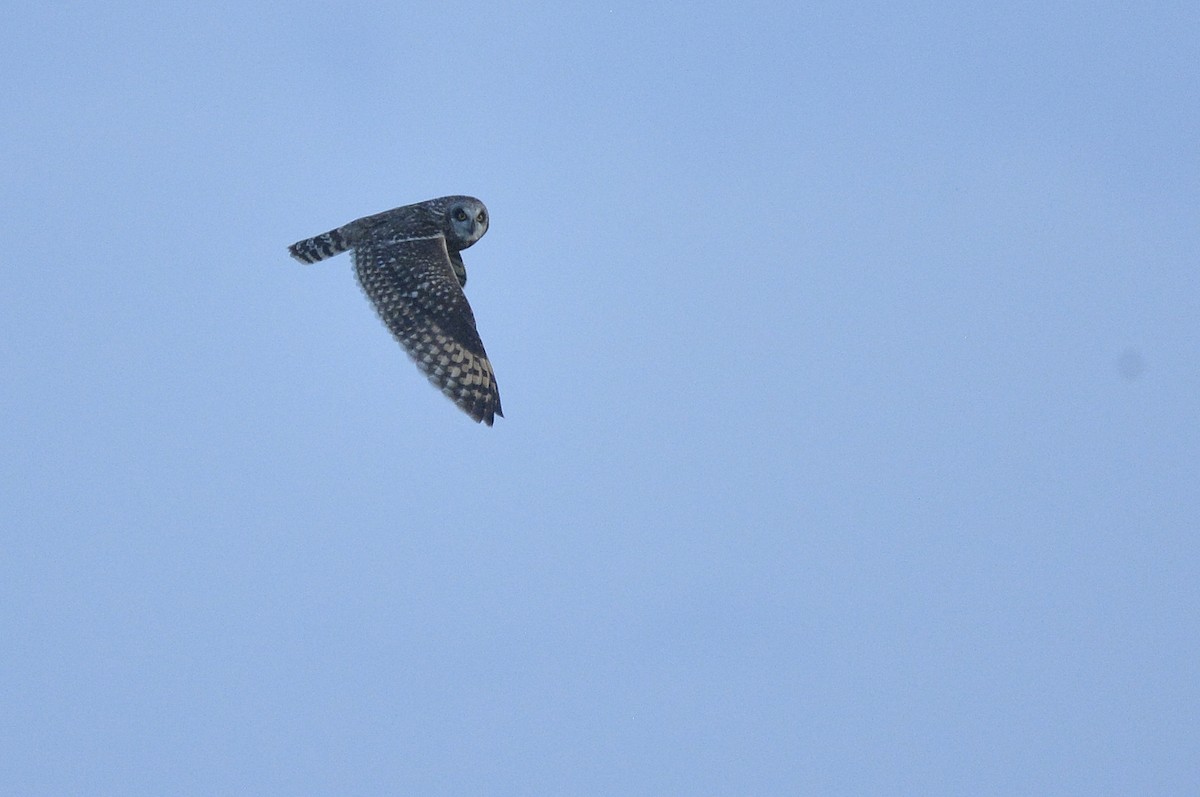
x: 481, y: 217
x: 460, y: 215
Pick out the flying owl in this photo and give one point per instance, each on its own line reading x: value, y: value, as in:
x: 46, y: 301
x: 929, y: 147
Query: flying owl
x: 409, y: 264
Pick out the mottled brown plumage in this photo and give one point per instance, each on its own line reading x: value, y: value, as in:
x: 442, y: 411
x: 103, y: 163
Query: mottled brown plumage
x: 408, y: 263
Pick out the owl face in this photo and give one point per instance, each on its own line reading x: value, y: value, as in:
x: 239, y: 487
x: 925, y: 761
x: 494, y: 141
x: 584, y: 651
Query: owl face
x: 466, y: 222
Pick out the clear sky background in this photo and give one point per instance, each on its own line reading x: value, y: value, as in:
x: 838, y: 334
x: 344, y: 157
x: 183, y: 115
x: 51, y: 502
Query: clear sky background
x: 850, y: 361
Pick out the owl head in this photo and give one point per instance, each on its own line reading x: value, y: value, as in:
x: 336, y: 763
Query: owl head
x: 466, y: 221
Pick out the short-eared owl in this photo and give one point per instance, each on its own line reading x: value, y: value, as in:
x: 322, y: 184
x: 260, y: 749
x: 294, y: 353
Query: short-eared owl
x: 408, y: 263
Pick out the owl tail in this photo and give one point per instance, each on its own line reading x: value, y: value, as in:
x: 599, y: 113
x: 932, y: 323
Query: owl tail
x: 325, y: 245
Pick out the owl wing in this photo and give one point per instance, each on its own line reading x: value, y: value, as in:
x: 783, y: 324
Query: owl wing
x: 413, y: 285
x: 460, y: 268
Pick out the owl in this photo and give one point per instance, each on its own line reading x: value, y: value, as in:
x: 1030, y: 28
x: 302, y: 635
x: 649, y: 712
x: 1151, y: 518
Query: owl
x: 409, y: 263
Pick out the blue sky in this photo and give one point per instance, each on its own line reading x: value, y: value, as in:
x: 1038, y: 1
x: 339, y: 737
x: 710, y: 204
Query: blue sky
x: 849, y: 358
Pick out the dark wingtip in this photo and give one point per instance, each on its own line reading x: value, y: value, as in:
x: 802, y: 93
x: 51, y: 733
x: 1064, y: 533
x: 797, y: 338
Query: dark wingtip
x: 483, y: 415
x: 490, y: 417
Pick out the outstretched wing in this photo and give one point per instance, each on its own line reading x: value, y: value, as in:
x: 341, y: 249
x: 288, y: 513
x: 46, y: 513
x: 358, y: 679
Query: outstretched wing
x: 415, y: 290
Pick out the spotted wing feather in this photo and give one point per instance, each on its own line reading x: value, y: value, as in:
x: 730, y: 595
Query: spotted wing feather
x: 414, y: 288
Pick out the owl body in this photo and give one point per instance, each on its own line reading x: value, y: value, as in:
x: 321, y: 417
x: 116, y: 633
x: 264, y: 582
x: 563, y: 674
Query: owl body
x: 408, y: 262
